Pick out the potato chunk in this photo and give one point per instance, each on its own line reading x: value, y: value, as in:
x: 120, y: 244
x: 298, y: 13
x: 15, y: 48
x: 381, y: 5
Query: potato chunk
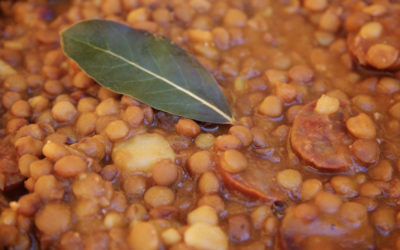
x: 204, y: 236
x: 327, y: 105
x: 141, y: 152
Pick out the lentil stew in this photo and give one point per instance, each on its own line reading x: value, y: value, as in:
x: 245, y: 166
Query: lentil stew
x: 311, y: 162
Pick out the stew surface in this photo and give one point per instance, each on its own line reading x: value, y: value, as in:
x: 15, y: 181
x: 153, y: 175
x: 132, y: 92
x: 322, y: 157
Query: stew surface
x: 311, y: 162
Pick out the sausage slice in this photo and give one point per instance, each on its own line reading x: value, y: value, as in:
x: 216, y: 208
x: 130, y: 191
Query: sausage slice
x: 257, y: 181
x: 326, y: 231
x: 375, y: 40
x: 322, y: 139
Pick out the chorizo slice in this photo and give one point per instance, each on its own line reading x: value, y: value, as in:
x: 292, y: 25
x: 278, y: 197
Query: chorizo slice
x: 374, y: 40
x: 322, y: 139
x: 257, y: 181
x: 301, y: 231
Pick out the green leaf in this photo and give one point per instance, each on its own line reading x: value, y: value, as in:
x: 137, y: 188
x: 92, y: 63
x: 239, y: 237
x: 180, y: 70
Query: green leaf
x: 149, y: 68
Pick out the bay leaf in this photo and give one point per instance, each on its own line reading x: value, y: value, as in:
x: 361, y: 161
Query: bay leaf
x: 149, y: 68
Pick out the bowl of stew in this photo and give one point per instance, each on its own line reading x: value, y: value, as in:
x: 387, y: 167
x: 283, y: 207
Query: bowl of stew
x: 311, y: 160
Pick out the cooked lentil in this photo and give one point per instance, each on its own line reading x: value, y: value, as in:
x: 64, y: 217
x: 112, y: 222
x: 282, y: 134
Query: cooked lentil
x: 311, y: 162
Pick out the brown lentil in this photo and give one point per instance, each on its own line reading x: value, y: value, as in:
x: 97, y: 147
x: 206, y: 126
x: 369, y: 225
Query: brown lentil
x: 164, y: 172
x: 200, y: 162
x: 70, y: 166
x: 187, y: 128
x: 159, y: 196
x: 53, y: 218
x: 233, y: 161
x: 104, y: 171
